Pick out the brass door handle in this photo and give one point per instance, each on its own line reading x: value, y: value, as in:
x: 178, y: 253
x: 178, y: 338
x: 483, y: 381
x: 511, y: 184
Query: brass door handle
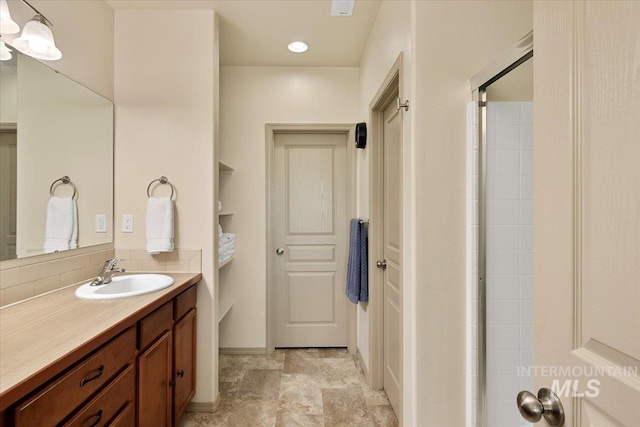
x: 382, y: 264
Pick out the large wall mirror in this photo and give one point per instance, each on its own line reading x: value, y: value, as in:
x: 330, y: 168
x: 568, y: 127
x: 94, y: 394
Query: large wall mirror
x: 52, y: 127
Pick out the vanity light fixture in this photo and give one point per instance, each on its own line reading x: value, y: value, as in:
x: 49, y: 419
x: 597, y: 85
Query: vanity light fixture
x: 7, y: 25
x: 298, y: 46
x: 5, y: 52
x: 36, y: 39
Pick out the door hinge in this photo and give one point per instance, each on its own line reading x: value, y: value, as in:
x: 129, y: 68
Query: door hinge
x: 482, y: 104
x: 400, y: 105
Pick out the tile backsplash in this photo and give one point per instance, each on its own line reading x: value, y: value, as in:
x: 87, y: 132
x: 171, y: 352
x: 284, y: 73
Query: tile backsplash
x: 19, y: 283
x: 180, y: 260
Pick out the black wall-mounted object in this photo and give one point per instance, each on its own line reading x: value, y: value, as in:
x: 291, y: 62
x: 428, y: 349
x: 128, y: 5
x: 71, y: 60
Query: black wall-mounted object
x: 361, y: 135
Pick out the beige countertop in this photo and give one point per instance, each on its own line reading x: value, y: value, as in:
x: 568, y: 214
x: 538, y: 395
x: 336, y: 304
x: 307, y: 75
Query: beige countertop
x: 49, y: 331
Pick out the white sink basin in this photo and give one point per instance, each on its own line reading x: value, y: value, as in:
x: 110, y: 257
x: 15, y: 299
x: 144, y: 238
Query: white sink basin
x: 125, y: 286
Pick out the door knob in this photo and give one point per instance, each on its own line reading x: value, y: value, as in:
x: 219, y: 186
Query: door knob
x: 279, y: 251
x: 546, y: 405
x: 382, y: 264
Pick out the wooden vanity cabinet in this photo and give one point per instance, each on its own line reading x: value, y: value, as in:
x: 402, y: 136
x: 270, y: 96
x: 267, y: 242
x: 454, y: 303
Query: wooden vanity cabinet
x: 144, y: 375
x: 166, y: 363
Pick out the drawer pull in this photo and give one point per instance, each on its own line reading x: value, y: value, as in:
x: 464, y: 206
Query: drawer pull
x: 181, y: 373
x: 97, y: 421
x: 86, y: 380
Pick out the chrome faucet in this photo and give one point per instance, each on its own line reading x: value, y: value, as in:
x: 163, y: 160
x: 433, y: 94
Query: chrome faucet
x: 106, y: 272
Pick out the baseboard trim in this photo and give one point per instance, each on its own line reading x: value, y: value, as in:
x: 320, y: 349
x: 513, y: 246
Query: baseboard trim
x: 363, y: 367
x: 243, y: 350
x: 204, y: 406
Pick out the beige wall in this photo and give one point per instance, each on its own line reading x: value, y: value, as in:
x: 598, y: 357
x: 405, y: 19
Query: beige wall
x: 164, y: 94
x: 250, y: 97
x: 451, y: 42
x: 64, y: 129
x: 87, y: 58
x: 8, y: 93
x: 390, y: 37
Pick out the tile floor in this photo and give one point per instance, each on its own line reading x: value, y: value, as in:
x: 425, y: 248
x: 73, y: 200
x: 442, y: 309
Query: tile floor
x: 301, y: 387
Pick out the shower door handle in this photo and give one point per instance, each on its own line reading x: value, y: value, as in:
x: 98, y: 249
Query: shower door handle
x: 382, y: 264
x: 547, y: 404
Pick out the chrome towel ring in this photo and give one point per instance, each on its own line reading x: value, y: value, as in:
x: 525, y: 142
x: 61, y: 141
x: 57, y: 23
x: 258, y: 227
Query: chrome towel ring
x: 65, y: 180
x: 161, y: 180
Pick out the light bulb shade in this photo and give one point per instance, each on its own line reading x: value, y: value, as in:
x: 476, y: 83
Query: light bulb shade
x: 37, y: 41
x: 7, y: 25
x: 5, y: 52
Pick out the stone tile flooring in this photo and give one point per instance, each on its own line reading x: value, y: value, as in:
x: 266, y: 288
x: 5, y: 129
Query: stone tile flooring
x: 300, y: 387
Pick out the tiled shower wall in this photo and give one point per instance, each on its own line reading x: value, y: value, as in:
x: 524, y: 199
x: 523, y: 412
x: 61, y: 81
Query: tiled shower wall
x: 509, y: 258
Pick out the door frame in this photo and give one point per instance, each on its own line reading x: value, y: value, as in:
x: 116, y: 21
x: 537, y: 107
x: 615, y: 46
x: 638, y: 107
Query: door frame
x: 390, y: 88
x: 271, y: 129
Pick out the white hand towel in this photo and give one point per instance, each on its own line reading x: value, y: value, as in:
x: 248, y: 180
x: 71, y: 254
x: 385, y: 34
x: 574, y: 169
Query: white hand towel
x: 73, y: 243
x: 219, y: 230
x: 59, y: 224
x: 159, y: 225
x: 228, y: 245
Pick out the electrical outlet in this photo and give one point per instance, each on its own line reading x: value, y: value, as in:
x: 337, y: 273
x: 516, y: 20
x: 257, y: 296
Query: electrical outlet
x: 127, y: 223
x: 101, y: 223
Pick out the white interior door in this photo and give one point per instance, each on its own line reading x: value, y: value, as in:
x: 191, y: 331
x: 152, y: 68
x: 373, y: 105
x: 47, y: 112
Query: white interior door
x: 310, y: 234
x: 392, y: 253
x: 587, y: 209
x: 8, y: 188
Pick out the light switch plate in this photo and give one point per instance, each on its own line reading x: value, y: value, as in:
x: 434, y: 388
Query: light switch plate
x: 101, y: 223
x: 127, y: 223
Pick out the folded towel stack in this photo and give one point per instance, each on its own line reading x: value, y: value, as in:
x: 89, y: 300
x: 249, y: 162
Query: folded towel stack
x: 61, y: 229
x: 226, y: 245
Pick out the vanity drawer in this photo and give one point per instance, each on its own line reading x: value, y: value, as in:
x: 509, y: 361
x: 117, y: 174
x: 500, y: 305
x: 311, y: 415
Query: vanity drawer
x: 126, y: 418
x: 50, y: 406
x: 184, y: 302
x: 109, y: 402
x: 154, y: 325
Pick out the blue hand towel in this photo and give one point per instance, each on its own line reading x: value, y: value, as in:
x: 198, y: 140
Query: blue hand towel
x: 357, y: 268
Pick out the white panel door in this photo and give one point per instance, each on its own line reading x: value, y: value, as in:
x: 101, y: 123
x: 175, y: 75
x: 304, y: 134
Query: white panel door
x: 587, y: 209
x: 392, y: 248
x: 310, y: 233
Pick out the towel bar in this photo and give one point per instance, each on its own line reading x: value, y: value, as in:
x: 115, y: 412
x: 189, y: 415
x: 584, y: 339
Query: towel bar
x: 65, y: 180
x: 161, y: 180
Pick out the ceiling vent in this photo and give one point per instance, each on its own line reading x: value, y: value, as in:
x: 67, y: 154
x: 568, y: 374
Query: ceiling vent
x: 342, y: 7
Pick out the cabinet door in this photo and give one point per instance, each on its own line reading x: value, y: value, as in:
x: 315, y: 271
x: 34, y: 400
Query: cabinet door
x: 184, y: 363
x: 154, y: 391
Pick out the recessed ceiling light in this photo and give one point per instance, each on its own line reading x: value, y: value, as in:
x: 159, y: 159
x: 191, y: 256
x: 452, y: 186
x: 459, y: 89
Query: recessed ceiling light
x: 298, y: 47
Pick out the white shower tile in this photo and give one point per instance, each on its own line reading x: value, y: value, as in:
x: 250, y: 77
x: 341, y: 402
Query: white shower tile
x: 526, y: 188
x: 526, y: 163
x: 526, y: 312
x: 526, y: 138
x: 526, y: 113
x: 526, y: 262
x: 507, y: 312
x: 506, y: 262
x: 507, y: 237
x: 507, y: 163
x: 526, y: 237
x: 526, y: 337
x: 506, y: 288
x: 526, y: 287
x: 508, y: 338
x: 508, y: 138
x: 507, y: 213
x: 491, y: 114
x: 507, y: 362
x: 526, y: 212
x: 507, y: 188
x: 507, y: 113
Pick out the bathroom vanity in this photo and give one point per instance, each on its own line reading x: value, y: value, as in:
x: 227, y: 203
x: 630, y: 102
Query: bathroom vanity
x: 120, y: 362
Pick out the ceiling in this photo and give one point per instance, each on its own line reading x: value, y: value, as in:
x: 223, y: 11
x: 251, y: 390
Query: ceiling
x: 257, y: 32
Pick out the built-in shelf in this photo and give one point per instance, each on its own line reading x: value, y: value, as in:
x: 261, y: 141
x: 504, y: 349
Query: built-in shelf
x: 226, y: 213
x: 224, y: 167
x: 223, y: 308
x: 225, y: 262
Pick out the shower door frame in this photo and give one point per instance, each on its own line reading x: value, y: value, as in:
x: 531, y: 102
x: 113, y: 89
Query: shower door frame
x: 501, y: 66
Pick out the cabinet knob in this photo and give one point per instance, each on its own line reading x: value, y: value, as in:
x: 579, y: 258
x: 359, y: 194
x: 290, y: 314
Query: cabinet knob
x: 181, y: 373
